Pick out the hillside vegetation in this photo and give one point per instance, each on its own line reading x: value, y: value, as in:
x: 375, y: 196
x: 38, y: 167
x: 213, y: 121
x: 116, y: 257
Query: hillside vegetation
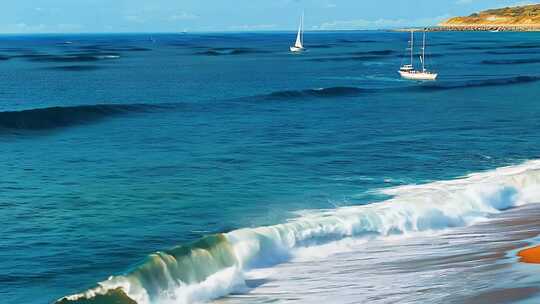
x: 526, y: 16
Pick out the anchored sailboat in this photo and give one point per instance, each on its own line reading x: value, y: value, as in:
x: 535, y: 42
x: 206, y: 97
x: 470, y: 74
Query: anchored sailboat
x: 299, y: 44
x: 407, y: 71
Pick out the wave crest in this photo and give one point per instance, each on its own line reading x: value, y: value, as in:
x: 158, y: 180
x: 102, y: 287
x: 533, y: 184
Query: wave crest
x: 214, y: 266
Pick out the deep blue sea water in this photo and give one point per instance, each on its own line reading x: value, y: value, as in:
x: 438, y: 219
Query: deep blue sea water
x: 116, y: 146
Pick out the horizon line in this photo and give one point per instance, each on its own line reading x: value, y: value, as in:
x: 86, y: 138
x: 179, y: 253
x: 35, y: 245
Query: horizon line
x: 212, y: 32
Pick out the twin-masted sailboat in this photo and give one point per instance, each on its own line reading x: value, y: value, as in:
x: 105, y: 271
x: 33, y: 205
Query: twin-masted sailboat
x: 408, y: 71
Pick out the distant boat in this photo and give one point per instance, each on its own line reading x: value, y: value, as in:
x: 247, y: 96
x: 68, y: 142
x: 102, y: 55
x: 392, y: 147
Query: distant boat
x: 407, y: 71
x: 299, y: 44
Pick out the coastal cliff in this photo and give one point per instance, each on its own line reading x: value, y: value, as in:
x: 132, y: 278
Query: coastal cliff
x: 517, y: 18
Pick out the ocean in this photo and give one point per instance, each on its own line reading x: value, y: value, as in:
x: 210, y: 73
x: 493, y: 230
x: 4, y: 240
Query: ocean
x: 188, y: 168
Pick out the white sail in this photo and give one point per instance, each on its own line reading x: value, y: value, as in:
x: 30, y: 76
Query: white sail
x: 299, y: 37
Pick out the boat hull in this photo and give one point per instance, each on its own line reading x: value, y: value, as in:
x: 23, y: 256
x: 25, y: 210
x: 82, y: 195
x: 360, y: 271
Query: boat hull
x: 418, y: 75
x: 295, y: 49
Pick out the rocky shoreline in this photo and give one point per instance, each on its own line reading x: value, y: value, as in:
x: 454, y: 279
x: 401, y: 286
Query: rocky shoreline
x: 485, y: 28
x: 474, y: 28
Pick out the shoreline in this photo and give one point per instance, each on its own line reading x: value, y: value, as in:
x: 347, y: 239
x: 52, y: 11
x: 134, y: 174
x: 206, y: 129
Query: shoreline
x: 474, y: 28
x: 485, y: 28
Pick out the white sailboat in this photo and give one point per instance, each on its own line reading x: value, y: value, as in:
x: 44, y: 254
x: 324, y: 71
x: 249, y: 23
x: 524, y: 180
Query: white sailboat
x: 299, y: 44
x: 407, y: 71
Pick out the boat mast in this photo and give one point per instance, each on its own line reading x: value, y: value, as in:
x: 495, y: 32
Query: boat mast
x: 302, y: 26
x: 412, y: 47
x: 424, y: 53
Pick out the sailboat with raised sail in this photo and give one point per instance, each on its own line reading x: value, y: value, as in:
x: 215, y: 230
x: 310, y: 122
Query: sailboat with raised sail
x: 299, y: 44
x: 408, y: 71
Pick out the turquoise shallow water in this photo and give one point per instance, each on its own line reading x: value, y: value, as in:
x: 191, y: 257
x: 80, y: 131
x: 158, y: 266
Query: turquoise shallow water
x: 164, y: 139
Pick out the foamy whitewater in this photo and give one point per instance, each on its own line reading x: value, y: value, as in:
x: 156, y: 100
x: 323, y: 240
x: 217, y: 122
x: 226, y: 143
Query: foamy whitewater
x: 216, y: 266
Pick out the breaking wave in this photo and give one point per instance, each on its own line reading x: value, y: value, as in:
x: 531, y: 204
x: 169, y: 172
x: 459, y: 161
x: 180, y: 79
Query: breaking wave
x: 215, y: 266
x: 56, y: 117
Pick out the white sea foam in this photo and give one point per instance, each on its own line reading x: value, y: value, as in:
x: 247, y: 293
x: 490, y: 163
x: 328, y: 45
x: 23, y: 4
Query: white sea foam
x: 413, y: 209
x: 108, y: 56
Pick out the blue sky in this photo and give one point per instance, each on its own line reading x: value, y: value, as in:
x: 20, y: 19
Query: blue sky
x: 72, y: 16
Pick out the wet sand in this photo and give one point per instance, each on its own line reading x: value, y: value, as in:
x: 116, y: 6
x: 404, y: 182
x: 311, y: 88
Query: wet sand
x: 468, y: 265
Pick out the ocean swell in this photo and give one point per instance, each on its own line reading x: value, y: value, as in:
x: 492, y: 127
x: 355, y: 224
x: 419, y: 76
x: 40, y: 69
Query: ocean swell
x: 214, y: 266
x: 74, y: 57
x: 57, y: 117
x: 229, y: 51
x: 512, y: 61
x: 332, y: 92
x: 321, y: 93
x: 479, y: 83
x: 74, y: 68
